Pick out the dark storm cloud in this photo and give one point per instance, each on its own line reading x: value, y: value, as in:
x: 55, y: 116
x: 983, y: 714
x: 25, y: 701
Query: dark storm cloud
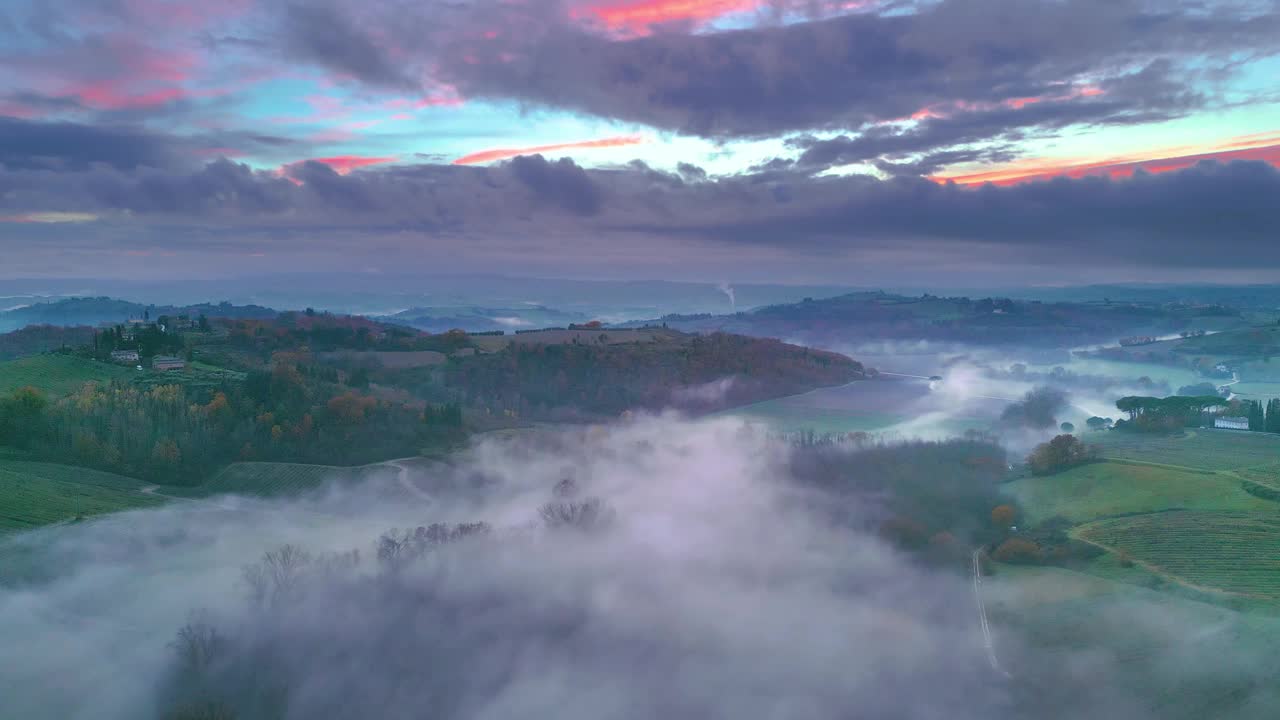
x: 847, y: 71
x: 561, y: 183
x: 1159, y: 220
x: 28, y: 145
x: 324, y: 34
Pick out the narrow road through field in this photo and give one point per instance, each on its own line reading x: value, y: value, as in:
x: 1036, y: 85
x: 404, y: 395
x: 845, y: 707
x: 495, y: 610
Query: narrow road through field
x: 403, y: 478
x: 987, y: 640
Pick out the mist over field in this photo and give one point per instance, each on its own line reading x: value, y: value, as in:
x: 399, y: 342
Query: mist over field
x: 657, y: 568
x: 714, y: 592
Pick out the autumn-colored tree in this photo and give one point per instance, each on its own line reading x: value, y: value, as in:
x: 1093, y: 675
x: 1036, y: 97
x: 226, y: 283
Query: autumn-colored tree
x: 1060, y: 453
x: 1002, y: 516
x: 1018, y: 551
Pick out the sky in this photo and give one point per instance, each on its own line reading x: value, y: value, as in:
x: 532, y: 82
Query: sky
x: 863, y: 141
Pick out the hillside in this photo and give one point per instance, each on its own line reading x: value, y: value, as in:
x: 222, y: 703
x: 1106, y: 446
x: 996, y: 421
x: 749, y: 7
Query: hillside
x: 36, y: 339
x: 57, y: 374
x: 97, y: 310
x: 878, y: 316
x: 574, y: 377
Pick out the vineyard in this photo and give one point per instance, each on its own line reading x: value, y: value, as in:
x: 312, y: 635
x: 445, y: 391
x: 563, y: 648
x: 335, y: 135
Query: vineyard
x: 1099, y: 490
x: 1200, y: 449
x: 1234, y: 552
x: 57, y: 374
x: 42, y: 493
x: 266, y: 479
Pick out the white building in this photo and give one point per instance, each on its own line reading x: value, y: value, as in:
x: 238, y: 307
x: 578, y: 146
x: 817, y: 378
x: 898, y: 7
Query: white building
x: 1231, y: 423
x: 165, y: 363
x: 124, y: 356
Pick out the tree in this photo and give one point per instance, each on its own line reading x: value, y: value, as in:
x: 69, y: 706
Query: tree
x: 1257, y: 421
x: 1060, y: 453
x: 1067, y: 427
x: 1018, y: 551
x: 1098, y: 423
x: 1002, y: 516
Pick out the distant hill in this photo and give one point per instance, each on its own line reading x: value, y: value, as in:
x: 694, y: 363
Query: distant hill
x: 92, y: 311
x: 483, y: 319
x: 869, y: 316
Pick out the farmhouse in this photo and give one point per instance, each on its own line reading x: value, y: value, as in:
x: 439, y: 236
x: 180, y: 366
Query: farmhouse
x: 1231, y: 423
x: 127, y: 357
x: 167, y: 362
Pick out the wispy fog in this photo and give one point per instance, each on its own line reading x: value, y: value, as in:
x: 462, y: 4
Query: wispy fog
x: 710, y: 593
x: 660, y: 568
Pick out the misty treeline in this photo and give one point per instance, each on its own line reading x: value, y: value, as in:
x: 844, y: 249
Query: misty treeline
x: 1037, y: 410
x: 450, y: 617
x: 978, y: 322
x: 575, y: 380
x: 179, y: 434
x: 1063, y: 377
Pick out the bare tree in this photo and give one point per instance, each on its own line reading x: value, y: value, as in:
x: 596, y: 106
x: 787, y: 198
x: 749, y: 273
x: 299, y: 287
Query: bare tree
x: 588, y: 515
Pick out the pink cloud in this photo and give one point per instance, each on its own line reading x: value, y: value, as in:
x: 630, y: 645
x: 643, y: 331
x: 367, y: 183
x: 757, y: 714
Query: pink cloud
x: 502, y: 153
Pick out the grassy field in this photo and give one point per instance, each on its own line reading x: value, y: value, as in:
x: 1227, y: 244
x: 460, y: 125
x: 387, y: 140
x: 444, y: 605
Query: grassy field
x: 1168, y: 653
x: 266, y: 479
x: 1105, y: 489
x: 34, y: 494
x: 57, y: 374
x: 1234, y: 552
x: 1201, y: 449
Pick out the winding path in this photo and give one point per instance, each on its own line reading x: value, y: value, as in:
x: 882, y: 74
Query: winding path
x: 987, y: 641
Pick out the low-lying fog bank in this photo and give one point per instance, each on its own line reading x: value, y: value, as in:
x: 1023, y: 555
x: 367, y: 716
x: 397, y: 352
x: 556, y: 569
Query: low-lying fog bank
x: 658, y: 568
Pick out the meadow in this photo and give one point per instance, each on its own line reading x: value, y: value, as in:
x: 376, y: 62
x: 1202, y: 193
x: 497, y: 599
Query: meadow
x: 1106, y: 489
x: 1154, y: 643
x: 268, y: 479
x: 57, y: 374
x: 37, y: 493
x: 1202, y: 449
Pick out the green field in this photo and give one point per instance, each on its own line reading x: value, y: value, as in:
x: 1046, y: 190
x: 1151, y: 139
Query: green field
x: 57, y: 374
x: 34, y: 494
x: 266, y: 479
x: 1234, y: 552
x: 1201, y: 449
x: 1160, y: 647
x: 1105, y: 489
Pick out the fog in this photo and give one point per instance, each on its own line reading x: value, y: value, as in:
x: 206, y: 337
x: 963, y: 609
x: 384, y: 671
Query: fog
x: 713, y: 593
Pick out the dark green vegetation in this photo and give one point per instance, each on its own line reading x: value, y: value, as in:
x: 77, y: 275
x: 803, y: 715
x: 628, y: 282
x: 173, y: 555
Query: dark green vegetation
x: 36, y: 493
x: 320, y: 390
x: 37, y: 339
x: 577, y: 379
x: 985, y: 321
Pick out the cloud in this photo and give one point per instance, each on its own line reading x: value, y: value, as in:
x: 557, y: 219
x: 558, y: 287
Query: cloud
x: 484, y: 156
x: 28, y: 145
x: 853, y: 70
x: 1032, y: 170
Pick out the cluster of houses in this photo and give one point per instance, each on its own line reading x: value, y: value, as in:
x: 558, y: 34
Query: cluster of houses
x: 129, y: 331
x: 163, y: 363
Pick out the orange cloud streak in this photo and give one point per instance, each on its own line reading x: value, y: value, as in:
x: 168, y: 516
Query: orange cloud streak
x: 637, y: 17
x: 1116, y: 168
x: 502, y: 153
